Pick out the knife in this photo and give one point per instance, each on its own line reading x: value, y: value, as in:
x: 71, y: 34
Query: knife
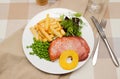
x: 104, y: 38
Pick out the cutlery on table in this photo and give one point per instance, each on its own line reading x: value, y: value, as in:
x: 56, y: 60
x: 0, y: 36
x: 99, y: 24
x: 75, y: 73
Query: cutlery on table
x: 94, y: 60
x: 104, y: 38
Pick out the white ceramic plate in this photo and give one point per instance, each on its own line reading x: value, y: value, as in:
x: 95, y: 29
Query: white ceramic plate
x: 48, y: 66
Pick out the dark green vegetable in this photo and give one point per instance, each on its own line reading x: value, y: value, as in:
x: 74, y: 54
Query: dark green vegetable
x: 72, y: 26
x: 40, y: 49
x: 62, y: 17
x: 76, y: 20
x: 77, y: 15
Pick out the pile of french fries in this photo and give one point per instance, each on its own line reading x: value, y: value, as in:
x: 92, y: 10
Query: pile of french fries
x: 47, y: 29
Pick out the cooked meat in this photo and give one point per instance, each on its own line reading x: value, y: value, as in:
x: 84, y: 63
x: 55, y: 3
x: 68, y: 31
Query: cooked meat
x: 69, y: 43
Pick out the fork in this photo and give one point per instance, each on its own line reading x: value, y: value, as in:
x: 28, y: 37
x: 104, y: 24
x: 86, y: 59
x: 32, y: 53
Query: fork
x: 103, y: 24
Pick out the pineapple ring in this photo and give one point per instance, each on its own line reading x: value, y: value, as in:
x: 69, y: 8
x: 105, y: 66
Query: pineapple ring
x: 63, y: 59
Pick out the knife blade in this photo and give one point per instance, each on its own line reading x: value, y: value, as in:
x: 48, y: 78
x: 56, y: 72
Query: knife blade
x: 104, y: 38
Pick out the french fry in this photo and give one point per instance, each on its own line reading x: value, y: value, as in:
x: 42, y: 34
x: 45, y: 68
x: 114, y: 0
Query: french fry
x: 34, y: 32
x: 47, y: 29
x: 40, y: 34
x: 54, y: 26
x: 39, y: 37
x: 51, y: 36
x: 45, y: 34
x: 62, y: 32
x: 44, y: 40
x: 53, y: 23
x: 58, y: 28
x: 58, y: 24
x: 55, y: 32
x: 42, y: 21
x: 47, y: 22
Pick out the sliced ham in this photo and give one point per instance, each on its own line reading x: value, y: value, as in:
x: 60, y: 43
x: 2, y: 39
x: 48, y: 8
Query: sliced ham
x: 77, y: 44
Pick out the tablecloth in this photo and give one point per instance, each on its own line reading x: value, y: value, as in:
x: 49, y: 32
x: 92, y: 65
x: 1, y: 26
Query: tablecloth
x: 15, y: 14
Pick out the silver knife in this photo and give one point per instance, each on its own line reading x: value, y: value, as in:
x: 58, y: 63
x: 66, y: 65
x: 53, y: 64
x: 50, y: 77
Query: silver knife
x: 103, y: 36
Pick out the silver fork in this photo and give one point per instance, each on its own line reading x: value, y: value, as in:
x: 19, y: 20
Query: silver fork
x: 94, y: 60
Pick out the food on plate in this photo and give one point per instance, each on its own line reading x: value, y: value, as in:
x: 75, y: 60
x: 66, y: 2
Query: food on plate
x: 78, y: 44
x: 40, y: 49
x: 47, y: 29
x: 68, y: 59
x: 60, y: 38
x: 72, y: 26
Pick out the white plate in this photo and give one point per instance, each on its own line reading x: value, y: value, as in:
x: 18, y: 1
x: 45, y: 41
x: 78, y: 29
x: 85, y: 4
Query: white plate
x: 47, y: 66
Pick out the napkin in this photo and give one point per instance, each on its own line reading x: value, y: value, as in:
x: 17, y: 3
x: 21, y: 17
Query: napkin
x: 13, y: 63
